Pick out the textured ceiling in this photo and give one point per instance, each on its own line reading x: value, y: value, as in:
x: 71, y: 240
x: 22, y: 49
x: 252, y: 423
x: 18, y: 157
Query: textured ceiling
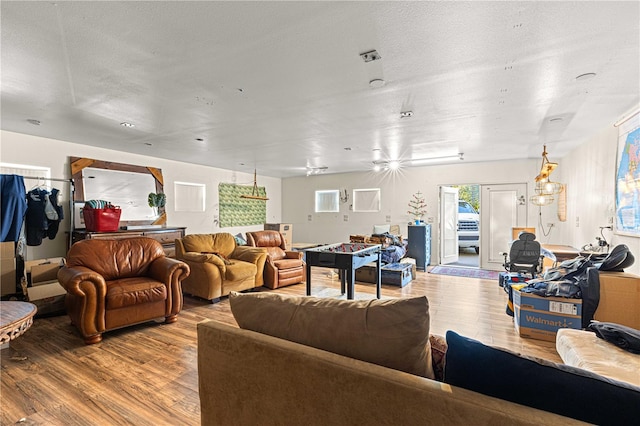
x: 280, y: 86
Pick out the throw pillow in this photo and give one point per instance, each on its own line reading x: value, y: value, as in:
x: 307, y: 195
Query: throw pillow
x: 557, y: 388
x: 393, y: 333
x: 438, y: 353
x: 381, y: 229
x: 240, y: 239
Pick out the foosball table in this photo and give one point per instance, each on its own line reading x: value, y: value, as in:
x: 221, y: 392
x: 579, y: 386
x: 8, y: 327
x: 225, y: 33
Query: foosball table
x: 347, y: 257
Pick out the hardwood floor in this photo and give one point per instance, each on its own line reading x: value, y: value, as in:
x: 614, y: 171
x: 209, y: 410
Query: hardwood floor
x: 147, y: 374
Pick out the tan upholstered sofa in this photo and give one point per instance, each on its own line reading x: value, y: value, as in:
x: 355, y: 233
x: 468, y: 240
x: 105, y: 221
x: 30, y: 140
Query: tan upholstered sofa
x: 373, y: 368
x: 245, y: 376
x: 219, y: 266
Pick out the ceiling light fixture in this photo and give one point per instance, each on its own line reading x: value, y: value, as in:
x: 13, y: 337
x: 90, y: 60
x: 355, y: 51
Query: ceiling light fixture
x: 377, y: 83
x: 586, y: 76
x: 545, y: 188
x: 126, y: 124
x: 406, y: 114
x: 316, y: 170
x: 33, y: 121
x: 418, y: 161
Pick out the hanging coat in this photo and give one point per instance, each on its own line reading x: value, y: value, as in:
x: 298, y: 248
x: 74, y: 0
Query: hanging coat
x: 13, y: 206
x: 43, y: 215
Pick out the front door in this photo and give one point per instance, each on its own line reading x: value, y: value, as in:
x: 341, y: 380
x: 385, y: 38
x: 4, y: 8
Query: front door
x: 448, y: 225
x: 503, y: 207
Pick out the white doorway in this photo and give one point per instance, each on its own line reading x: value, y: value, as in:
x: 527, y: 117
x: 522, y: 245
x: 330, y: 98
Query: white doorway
x: 448, y: 225
x: 504, y: 206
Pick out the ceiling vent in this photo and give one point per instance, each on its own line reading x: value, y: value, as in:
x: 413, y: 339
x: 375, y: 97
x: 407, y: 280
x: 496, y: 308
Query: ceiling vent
x: 370, y: 56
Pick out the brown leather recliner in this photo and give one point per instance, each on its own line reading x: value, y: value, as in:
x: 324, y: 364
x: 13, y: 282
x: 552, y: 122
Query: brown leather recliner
x: 114, y: 283
x: 283, y: 267
x: 219, y: 265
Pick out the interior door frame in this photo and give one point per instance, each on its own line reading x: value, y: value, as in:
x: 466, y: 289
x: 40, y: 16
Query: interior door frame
x: 488, y: 218
x: 445, y: 218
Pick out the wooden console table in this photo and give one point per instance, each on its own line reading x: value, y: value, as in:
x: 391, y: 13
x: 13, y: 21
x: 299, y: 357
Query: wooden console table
x: 15, y: 319
x: 166, y: 236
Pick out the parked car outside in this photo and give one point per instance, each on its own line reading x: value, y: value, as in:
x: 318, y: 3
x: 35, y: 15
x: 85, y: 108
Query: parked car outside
x: 468, y: 226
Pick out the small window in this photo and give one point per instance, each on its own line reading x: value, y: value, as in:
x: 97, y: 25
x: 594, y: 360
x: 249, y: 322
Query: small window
x: 189, y: 197
x: 327, y: 201
x: 366, y: 200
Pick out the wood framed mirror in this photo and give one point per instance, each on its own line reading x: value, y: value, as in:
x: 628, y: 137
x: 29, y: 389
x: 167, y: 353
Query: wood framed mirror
x: 124, y: 185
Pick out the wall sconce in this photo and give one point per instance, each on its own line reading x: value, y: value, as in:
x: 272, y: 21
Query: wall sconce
x: 545, y: 188
x: 344, y: 196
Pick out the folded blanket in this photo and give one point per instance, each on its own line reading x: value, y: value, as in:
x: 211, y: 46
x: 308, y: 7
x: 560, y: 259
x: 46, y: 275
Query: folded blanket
x: 622, y: 336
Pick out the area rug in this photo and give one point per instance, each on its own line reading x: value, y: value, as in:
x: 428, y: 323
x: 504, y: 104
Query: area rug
x: 465, y: 272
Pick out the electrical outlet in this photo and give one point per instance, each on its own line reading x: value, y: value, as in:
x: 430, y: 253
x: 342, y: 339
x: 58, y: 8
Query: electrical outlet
x: 610, y: 220
x: 388, y: 218
x: 309, y: 218
x: 345, y: 218
x: 577, y: 221
x: 551, y: 225
x: 430, y: 219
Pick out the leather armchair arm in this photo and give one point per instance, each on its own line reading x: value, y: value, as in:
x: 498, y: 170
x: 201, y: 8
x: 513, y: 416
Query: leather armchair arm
x: 88, y: 291
x: 255, y: 255
x: 293, y: 254
x: 192, y: 256
x: 248, y: 254
x: 171, y: 272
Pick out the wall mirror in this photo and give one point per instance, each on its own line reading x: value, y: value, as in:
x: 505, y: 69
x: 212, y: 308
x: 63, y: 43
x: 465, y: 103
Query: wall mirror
x: 124, y: 185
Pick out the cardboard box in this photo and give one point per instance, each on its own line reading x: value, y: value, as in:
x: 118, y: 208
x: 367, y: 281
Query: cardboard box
x: 7, y: 276
x: 41, y: 271
x: 41, y: 287
x: 286, y: 229
x: 619, y: 299
x: 540, y: 318
x: 47, y: 296
x: 8, y: 250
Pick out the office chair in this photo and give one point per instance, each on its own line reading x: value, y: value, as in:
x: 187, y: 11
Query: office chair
x: 525, y: 255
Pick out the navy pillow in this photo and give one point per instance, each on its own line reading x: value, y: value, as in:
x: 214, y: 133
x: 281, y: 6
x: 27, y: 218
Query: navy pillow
x: 541, y: 384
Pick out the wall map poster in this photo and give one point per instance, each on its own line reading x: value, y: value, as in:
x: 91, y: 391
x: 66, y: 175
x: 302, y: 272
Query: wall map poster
x: 628, y: 178
x: 237, y: 211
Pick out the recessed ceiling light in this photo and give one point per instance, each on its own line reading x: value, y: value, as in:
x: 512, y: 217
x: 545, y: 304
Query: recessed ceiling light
x: 347, y: 149
x: 406, y: 114
x: 127, y: 124
x: 377, y: 83
x: 33, y: 121
x: 148, y: 144
x: 199, y: 139
x: 586, y: 76
x: 555, y: 119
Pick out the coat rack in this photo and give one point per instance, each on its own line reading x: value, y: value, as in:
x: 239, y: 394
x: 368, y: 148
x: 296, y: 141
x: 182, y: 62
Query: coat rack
x: 255, y: 195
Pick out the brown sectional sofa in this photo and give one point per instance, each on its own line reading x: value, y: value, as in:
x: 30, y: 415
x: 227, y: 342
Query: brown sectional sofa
x: 251, y: 378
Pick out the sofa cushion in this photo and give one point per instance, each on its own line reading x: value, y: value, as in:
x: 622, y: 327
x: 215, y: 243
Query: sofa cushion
x: 238, y: 270
x: 222, y: 243
x: 583, y: 349
x: 537, y: 383
x: 393, y: 333
x: 134, y: 291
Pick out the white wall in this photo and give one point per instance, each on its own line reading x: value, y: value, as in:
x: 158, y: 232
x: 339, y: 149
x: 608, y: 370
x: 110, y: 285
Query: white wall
x: 589, y: 172
x: 36, y: 151
x: 396, y: 191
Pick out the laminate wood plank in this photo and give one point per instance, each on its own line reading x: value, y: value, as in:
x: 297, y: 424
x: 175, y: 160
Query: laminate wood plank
x: 147, y: 374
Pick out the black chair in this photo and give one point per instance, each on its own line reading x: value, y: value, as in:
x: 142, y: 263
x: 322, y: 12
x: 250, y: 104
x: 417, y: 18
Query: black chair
x: 524, y: 256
